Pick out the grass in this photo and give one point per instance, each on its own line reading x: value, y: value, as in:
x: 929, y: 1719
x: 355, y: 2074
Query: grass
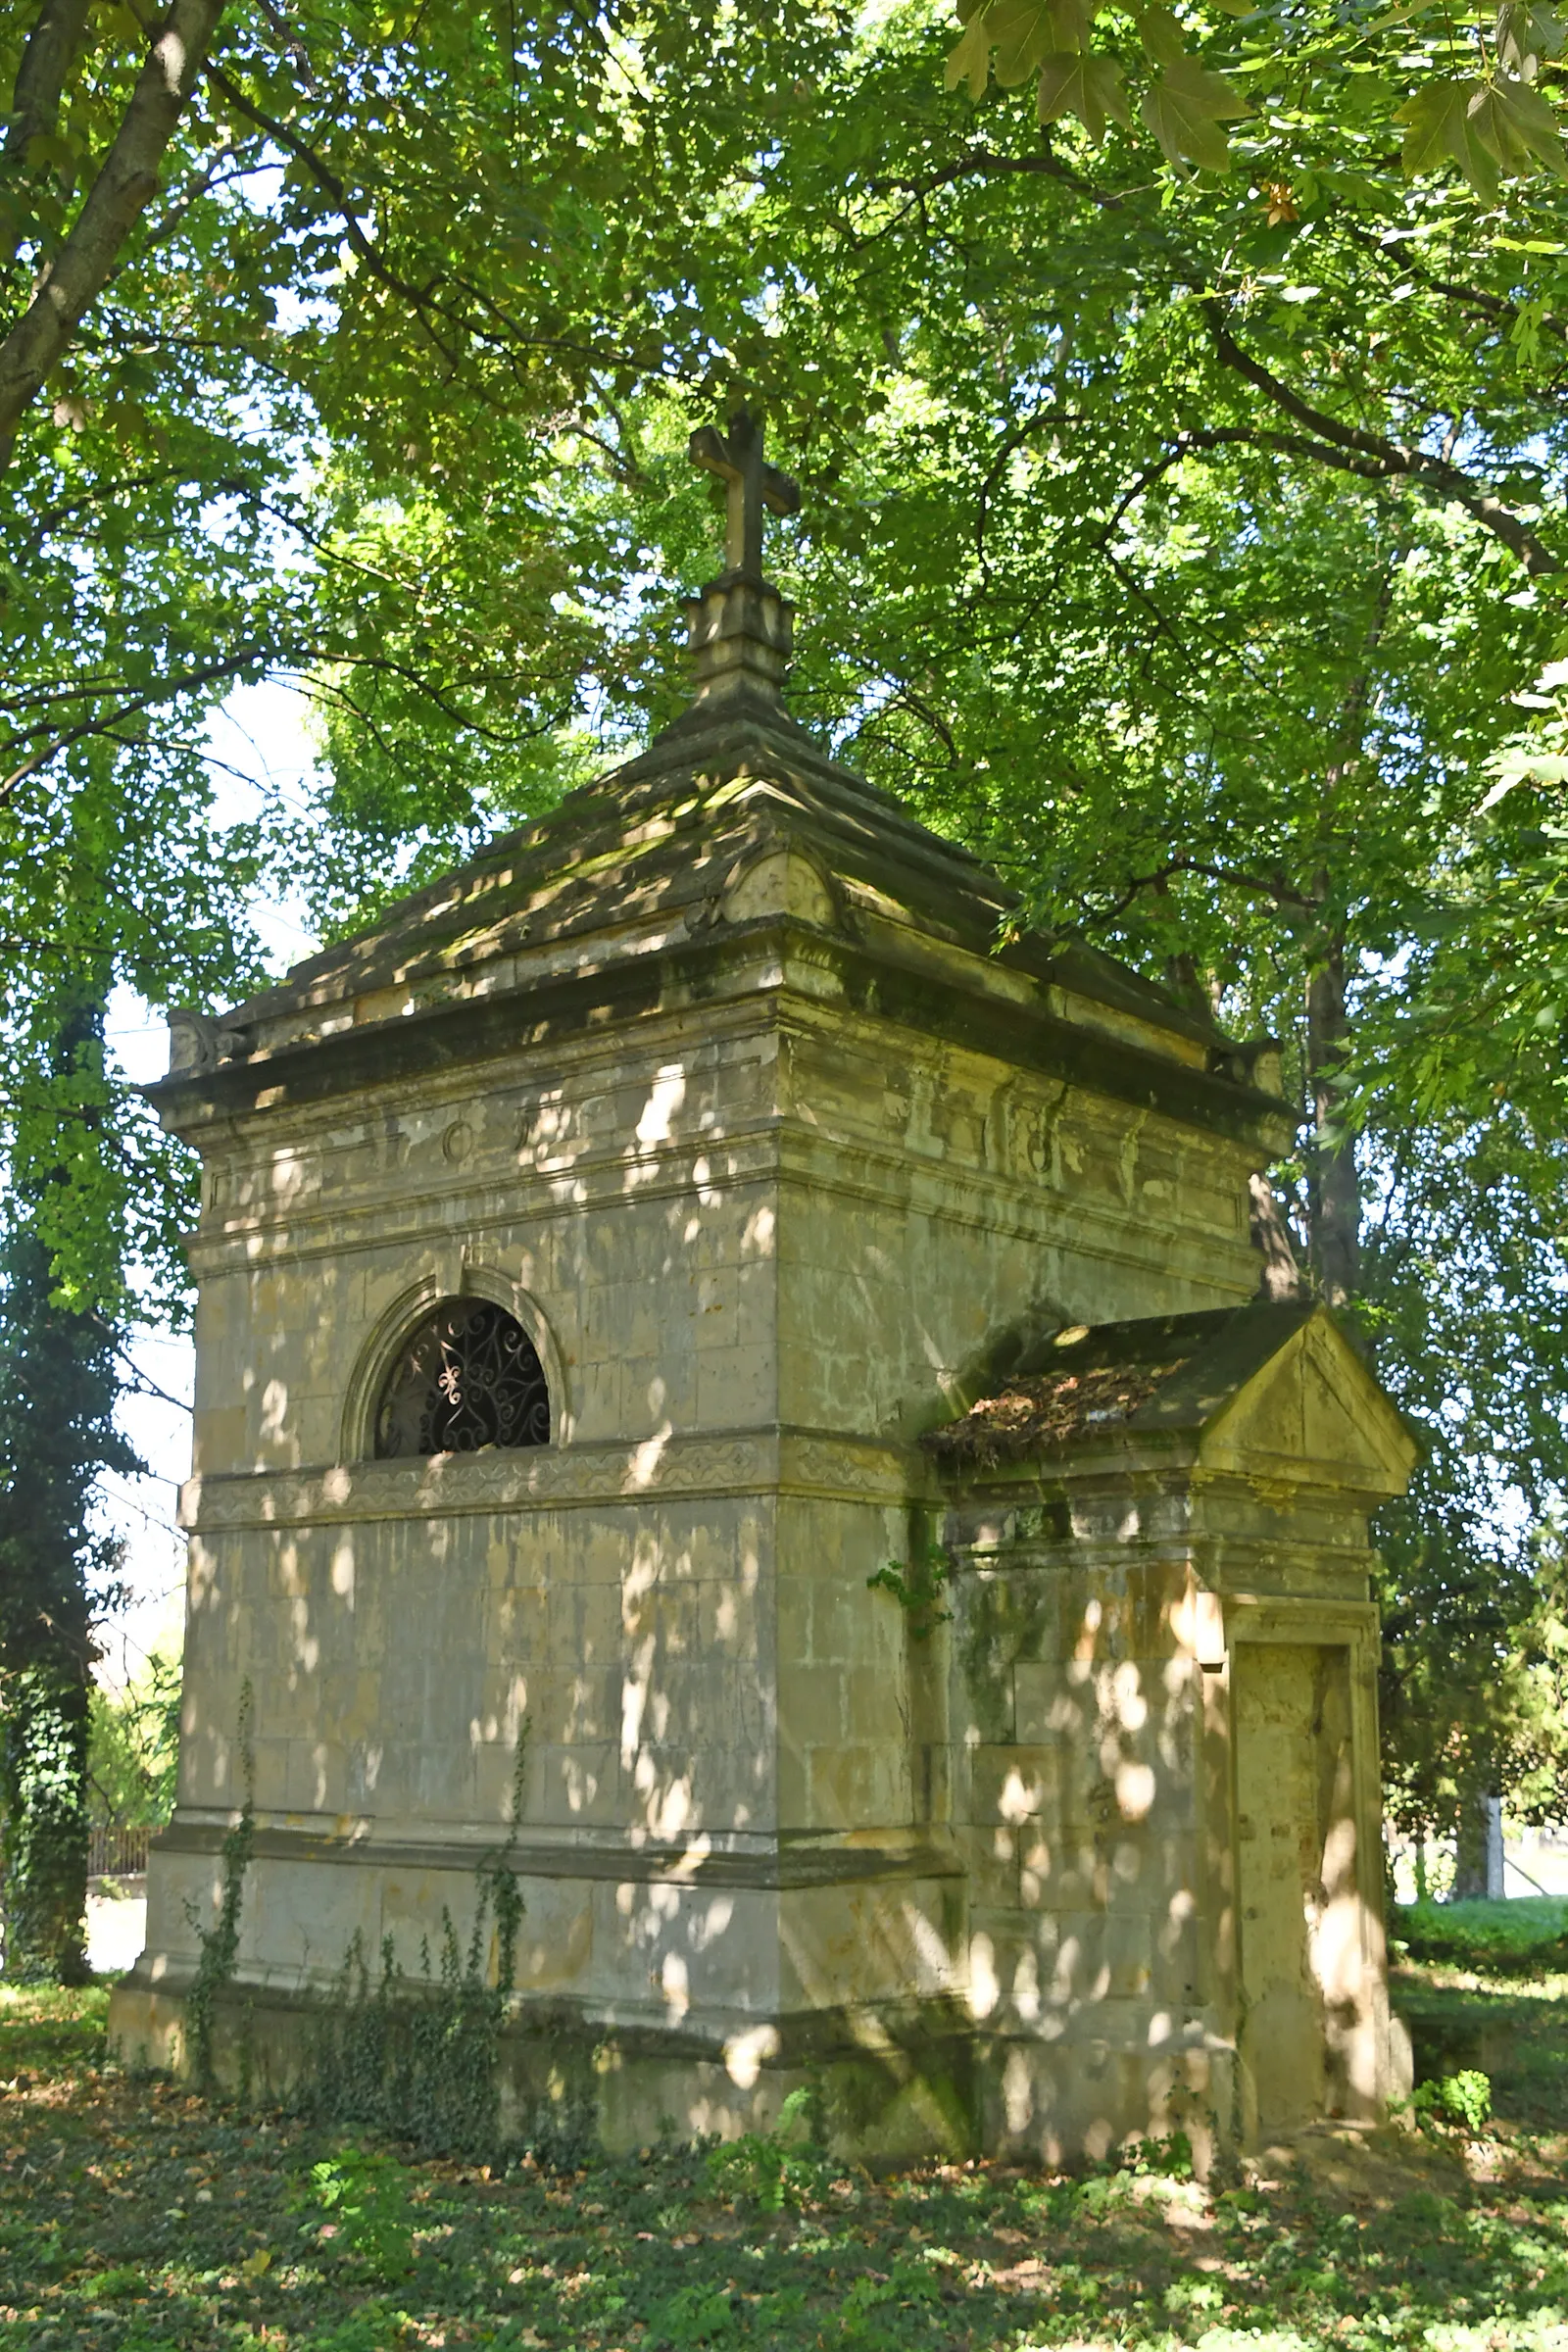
x: 1525, y: 1937
x: 133, y: 2216
x: 1485, y: 1985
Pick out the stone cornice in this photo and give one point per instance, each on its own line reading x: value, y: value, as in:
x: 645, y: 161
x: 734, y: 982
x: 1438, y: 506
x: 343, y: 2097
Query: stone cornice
x: 746, y: 958
x: 1114, y: 1467
x: 775, y: 1151
x: 758, y: 1861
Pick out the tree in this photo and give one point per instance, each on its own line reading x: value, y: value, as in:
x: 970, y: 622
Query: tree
x: 133, y: 1748
x: 1181, y: 544
x: 1476, y: 105
x: 1213, y: 642
x: 58, y: 1388
x: 1178, y: 540
x: 77, y: 265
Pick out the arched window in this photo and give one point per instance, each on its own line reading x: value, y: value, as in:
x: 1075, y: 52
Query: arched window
x: 467, y: 1377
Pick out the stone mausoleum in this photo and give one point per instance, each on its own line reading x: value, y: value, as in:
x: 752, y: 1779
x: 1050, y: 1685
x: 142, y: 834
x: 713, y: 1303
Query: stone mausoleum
x: 609, y: 1266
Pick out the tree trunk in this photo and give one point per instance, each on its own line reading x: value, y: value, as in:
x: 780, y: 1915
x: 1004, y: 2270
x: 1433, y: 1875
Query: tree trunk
x: 43, y: 1779
x: 126, y: 180
x: 58, y: 1392
x: 1271, y: 1239
x: 53, y: 1386
x: 1334, y: 1185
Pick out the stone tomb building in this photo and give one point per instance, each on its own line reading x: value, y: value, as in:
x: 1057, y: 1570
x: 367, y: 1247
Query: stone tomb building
x: 609, y: 1266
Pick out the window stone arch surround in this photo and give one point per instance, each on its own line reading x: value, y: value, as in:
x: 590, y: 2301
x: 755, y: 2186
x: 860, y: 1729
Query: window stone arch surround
x: 450, y: 1278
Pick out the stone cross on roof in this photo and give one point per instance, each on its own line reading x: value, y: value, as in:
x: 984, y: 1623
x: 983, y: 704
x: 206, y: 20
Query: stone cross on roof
x: 751, y: 483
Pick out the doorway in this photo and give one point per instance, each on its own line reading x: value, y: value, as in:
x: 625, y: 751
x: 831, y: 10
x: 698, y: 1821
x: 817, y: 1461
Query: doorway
x: 1301, y: 1965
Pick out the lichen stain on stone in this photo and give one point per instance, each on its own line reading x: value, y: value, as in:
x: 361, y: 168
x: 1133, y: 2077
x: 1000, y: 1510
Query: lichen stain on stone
x: 998, y: 1619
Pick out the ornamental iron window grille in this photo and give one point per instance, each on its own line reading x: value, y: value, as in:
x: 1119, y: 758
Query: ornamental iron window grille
x: 468, y: 1377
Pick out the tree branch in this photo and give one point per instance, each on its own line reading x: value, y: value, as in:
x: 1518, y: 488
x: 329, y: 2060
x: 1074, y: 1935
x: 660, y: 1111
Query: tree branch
x: 1275, y: 889
x: 417, y: 297
x: 147, y: 1386
x: 984, y: 162
x: 100, y: 492
x: 127, y: 180
x: 51, y: 51
x: 165, y: 691
x: 1374, y: 456
x: 503, y: 334
x: 1489, y: 306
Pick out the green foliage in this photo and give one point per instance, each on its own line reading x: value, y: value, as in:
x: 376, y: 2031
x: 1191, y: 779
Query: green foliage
x: 1164, y: 2159
x: 878, y: 2311
x: 1476, y: 1031
x: 417, y: 2057
x: 771, y: 2170
x: 140, y: 523
x: 133, y: 1748
x: 420, y: 2057
x: 45, y: 1862
x: 1490, y: 124
x: 1524, y: 1936
x: 1463, y: 2099
x: 692, y: 2314
x: 203, y: 2226
x: 218, y: 1944
x: 1475, y: 1660
x: 1192, y: 546
x: 364, y: 2198
x: 918, y: 1587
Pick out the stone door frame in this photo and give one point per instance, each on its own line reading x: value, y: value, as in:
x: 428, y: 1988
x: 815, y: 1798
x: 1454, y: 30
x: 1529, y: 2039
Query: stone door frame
x: 1265, y: 1620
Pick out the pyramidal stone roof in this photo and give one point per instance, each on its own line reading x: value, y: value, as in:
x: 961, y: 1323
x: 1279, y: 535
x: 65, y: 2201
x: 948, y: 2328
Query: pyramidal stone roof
x: 650, y: 862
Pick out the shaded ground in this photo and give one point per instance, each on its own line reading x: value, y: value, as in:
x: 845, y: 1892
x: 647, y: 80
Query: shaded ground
x: 133, y: 2216
x: 1485, y: 1985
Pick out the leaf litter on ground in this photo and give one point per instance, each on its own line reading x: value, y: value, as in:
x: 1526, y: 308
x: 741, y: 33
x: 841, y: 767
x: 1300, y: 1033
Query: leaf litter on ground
x: 134, y: 2216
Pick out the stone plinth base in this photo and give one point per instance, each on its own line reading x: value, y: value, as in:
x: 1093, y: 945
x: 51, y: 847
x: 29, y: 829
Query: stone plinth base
x: 884, y: 2090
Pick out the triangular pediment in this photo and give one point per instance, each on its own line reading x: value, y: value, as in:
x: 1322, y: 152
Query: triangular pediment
x: 1314, y: 1413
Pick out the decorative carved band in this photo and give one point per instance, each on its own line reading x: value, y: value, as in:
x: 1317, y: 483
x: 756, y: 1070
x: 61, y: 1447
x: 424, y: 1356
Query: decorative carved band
x: 769, y: 1461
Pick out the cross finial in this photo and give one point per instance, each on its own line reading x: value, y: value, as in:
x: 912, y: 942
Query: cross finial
x: 751, y: 484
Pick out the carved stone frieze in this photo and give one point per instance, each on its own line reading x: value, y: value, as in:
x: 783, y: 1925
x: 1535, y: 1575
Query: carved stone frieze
x: 557, y: 1478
